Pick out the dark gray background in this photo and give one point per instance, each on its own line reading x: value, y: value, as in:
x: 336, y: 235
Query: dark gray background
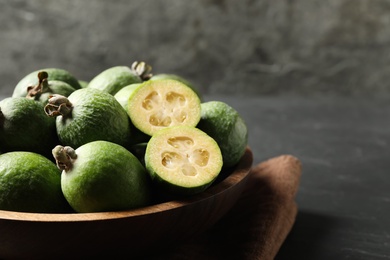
x: 223, y: 46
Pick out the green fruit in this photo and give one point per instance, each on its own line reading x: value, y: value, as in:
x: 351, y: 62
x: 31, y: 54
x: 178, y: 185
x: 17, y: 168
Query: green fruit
x: 102, y: 176
x: 31, y: 79
x: 226, y: 126
x: 178, y: 78
x: 88, y: 115
x: 83, y: 83
x: 30, y: 182
x: 113, y: 79
x: 24, y: 126
x: 158, y: 104
x: 183, y: 160
x: 44, y: 89
x: 124, y: 94
x: 123, y: 97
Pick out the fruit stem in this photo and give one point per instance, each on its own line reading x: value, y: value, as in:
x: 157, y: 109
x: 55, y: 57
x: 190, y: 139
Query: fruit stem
x: 64, y: 156
x: 58, y: 105
x: 34, y: 92
x: 142, y: 70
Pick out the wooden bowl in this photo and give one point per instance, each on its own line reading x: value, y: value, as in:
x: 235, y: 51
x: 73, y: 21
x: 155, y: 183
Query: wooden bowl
x: 131, y: 233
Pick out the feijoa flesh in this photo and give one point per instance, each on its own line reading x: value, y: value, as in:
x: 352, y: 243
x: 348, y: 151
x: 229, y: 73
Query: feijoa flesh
x: 158, y: 104
x: 182, y: 160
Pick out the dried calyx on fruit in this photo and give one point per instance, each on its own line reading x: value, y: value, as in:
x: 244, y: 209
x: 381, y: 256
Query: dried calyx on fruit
x: 60, y: 82
x: 58, y: 105
x: 45, y: 88
x: 42, y: 86
x: 64, y: 156
x: 142, y: 70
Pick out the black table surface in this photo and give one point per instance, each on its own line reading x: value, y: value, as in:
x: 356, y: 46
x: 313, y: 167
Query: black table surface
x: 344, y: 146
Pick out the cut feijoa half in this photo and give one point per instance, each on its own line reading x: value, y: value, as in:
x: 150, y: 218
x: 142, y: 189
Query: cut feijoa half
x: 182, y: 160
x: 163, y: 103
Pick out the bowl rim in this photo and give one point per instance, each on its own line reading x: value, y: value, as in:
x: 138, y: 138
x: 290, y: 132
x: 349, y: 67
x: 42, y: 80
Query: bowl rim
x: 238, y: 174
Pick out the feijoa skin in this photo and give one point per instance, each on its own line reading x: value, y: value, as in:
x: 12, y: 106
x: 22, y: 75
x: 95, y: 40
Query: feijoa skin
x: 182, y: 160
x: 55, y: 87
x: 123, y: 97
x: 124, y: 94
x: 24, y: 126
x: 31, y: 79
x: 223, y: 123
x: 88, y: 115
x: 115, y: 78
x: 30, y: 182
x: 102, y: 176
x: 45, y: 88
x: 83, y: 83
x: 158, y: 104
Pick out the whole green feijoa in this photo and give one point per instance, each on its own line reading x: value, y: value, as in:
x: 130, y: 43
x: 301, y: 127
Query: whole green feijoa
x: 45, y: 88
x: 124, y: 94
x: 30, y: 182
x: 88, y: 115
x: 113, y: 79
x: 223, y: 123
x: 31, y: 79
x: 83, y: 83
x: 102, y: 176
x: 24, y: 126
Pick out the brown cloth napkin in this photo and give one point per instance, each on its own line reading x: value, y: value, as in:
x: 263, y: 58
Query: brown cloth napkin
x: 258, y: 224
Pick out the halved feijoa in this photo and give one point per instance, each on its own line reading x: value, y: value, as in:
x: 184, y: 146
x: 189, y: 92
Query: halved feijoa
x: 183, y: 160
x: 159, y: 104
